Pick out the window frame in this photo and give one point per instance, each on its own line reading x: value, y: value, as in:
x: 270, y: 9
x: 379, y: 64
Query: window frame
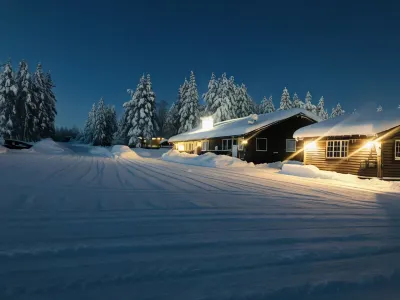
x: 266, y: 144
x: 295, y: 146
x: 341, y: 142
x: 227, y: 142
x: 396, y: 157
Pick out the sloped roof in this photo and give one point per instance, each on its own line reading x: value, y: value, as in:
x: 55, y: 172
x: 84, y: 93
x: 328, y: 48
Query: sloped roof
x: 368, y: 123
x: 241, y: 126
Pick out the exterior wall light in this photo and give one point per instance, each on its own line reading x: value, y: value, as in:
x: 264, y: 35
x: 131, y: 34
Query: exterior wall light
x: 311, y: 146
x: 181, y: 147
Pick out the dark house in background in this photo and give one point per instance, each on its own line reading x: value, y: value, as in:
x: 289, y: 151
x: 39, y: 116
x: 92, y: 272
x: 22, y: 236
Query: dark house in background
x: 257, y: 138
x: 366, y: 145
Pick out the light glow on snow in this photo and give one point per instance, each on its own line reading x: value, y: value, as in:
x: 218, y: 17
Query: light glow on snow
x: 207, y: 123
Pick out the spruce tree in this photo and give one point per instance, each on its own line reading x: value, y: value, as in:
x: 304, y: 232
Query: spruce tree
x: 285, y: 100
x: 172, y: 121
x: 267, y: 106
x: 8, y: 98
x: 224, y: 104
x: 210, y: 96
x: 297, y: 103
x: 39, y: 94
x: 50, y: 106
x: 245, y: 105
x: 100, y: 125
x: 88, y: 132
x: 308, y: 104
x: 320, y: 110
x: 189, y: 110
x: 111, y: 125
x: 337, y: 111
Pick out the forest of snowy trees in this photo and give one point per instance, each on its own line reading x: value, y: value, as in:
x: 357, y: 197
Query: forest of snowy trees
x: 27, y: 103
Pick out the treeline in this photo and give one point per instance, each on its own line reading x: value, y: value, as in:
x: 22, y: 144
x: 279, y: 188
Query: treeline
x: 224, y: 100
x: 27, y: 103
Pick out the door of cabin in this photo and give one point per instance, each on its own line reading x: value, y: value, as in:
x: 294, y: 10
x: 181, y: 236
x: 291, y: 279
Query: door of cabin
x: 234, y: 150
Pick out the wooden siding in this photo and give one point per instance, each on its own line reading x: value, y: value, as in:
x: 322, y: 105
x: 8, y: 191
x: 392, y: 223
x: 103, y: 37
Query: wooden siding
x: 357, y: 154
x: 390, y: 166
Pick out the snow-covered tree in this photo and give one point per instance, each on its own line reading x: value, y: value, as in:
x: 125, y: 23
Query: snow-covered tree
x: 285, y: 100
x: 337, y: 111
x: 297, y: 103
x: 320, y: 110
x: 245, y: 106
x: 111, y: 125
x: 140, y: 113
x: 308, y: 104
x: 8, y: 98
x: 189, y: 106
x: 267, y: 106
x: 225, y: 101
x: 379, y: 109
x: 211, y: 95
x: 27, y: 106
x: 88, y: 132
x: 100, y: 124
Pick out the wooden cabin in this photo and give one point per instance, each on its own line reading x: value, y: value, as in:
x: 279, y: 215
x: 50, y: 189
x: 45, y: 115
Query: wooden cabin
x: 153, y: 143
x: 366, y: 145
x: 258, y: 138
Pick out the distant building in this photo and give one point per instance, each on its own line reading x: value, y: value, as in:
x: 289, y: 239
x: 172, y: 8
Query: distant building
x: 257, y: 138
x: 366, y: 145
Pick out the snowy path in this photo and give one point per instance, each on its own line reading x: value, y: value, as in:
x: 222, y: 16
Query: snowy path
x: 78, y: 226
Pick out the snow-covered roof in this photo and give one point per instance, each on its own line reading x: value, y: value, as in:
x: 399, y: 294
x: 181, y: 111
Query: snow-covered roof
x: 369, y: 124
x: 163, y: 141
x: 241, y: 126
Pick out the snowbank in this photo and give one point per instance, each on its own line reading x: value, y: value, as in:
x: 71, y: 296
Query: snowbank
x: 120, y: 151
x: 310, y: 171
x: 3, y: 150
x: 47, y: 146
x: 150, y: 153
x: 100, y: 151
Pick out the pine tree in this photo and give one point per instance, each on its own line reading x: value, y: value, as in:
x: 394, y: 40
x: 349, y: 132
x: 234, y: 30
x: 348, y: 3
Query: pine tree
x: 297, y: 103
x: 211, y: 95
x: 100, y: 125
x: 189, y: 110
x: 172, y: 121
x: 308, y: 104
x: 320, y: 110
x: 88, y: 132
x: 8, y: 98
x: 337, y: 111
x: 224, y: 104
x: 39, y: 94
x: 111, y: 125
x: 285, y: 100
x: 379, y: 109
x: 245, y: 106
x: 50, y: 106
x: 140, y: 113
x: 27, y: 107
x: 267, y: 106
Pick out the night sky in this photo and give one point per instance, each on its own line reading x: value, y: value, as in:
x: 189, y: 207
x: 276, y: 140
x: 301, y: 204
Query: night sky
x: 347, y: 51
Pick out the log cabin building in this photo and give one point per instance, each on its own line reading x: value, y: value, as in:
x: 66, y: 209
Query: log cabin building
x: 257, y: 138
x: 366, y: 145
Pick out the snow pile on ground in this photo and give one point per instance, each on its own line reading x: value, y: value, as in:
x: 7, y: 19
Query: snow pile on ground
x: 100, y: 151
x: 150, y: 153
x: 121, y: 151
x: 47, y: 146
x: 3, y: 150
x: 310, y: 171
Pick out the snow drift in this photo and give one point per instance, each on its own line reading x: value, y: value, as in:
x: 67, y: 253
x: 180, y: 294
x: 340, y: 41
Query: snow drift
x: 47, y: 146
x: 101, y: 151
x: 3, y: 150
x: 212, y: 160
x: 120, y: 151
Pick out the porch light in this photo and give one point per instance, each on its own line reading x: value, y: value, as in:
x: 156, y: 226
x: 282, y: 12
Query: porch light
x: 244, y: 142
x: 181, y: 147
x: 207, y: 123
x: 311, y: 146
x: 153, y: 139
x: 369, y: 145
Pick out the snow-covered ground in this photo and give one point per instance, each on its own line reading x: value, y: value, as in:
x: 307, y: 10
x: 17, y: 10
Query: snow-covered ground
x: 82, y: 224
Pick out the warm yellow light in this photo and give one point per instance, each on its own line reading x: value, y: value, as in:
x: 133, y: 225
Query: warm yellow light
x: 181, y: 147
x: 244, y: 142
x: 207, y: 123
x: 369, y: 145
x: 153, y: 139
x: 158, y: 138
x: 311, y: 146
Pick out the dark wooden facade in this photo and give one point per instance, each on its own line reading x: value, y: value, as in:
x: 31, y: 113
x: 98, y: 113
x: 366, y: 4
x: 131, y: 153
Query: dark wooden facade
x: 276, y: 135
x: 376, y: 161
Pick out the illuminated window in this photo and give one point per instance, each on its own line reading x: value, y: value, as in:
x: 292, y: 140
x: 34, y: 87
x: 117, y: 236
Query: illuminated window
x: 337, y: 149
x: 290, y: 145
x: 204, y: 145
x: 261, y: 144
x: 397, y: 150
x: 227, y: 144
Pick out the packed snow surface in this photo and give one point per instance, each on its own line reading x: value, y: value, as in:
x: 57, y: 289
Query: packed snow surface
x: 242, y: 125
x: 3, y: 150
x: 83, y: 226
x: 367, y: 123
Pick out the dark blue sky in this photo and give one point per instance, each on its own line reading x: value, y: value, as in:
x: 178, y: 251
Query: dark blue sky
x: 347, y: 51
